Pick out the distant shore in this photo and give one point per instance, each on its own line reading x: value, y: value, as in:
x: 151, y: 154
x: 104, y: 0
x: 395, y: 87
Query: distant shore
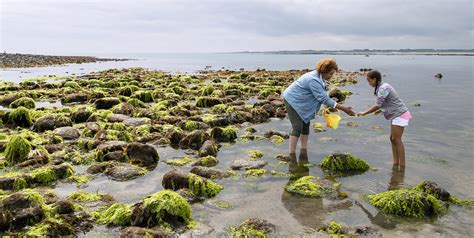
x: 368, y: 52
x: 8, y: 60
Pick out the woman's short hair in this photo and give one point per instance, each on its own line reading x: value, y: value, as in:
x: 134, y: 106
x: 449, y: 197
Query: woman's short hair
x: 326, y: 66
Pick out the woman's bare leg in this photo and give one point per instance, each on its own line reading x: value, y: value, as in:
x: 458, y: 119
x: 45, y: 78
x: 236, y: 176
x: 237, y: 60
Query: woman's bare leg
x: 293, y: 143
x: 304, y: 142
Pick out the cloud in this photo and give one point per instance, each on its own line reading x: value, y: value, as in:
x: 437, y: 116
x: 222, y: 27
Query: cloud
x: 211, y: 25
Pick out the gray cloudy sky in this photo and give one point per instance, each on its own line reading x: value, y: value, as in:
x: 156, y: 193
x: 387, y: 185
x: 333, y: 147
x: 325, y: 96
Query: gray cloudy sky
x: 126, y: 26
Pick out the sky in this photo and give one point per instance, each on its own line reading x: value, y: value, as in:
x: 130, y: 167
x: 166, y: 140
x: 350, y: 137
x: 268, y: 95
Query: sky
x: 145, y: 26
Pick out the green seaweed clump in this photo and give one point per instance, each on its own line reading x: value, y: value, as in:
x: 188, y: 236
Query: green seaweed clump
x: 48, y: 175
x: 23, y: 102
x: 407, y: 203
x: 307, y: 186
x: 165, y: 203
x: 255, y: 172
x: 81, y: 196
x: 117, y: 214
x: 203, y: 187
x: 21, y: 117
x: 255, y: 154
x: 255, y: 228
x: 179, y: 162
x: 343, y: 163
x: 17, y: 149
x: 334, y: 229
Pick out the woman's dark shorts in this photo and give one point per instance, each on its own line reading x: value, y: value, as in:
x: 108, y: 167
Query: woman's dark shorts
x: 297, y: 124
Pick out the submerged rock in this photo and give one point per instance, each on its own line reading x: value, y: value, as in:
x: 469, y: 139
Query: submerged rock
x: 253, y: 227
x: 124, y: 171
x: 247, y: 164
x: 138, y: 232
x: 312, y: 186
x: 207, y: 161
x: 210, y: 173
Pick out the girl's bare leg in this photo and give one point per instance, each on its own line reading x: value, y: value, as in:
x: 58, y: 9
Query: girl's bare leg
x: 397, y: 144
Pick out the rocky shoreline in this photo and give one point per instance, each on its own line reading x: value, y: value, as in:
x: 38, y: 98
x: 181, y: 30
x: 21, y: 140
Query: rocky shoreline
x: 8, y: 60
x: 116, y: 121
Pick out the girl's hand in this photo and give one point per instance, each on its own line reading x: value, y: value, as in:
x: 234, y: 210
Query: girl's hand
x: 359, y: 114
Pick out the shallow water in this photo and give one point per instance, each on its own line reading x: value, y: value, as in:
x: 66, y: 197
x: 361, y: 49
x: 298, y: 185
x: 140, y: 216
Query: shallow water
x: 439, y: 146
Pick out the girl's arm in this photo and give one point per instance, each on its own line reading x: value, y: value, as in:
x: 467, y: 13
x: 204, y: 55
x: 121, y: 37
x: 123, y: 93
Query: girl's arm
x: 374, y: 108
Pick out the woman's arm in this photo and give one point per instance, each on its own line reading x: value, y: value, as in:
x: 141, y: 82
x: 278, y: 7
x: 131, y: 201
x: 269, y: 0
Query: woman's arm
x: 374, y: 108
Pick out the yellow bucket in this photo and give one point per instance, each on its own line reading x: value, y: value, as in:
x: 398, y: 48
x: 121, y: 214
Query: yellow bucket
x: 332, y: 120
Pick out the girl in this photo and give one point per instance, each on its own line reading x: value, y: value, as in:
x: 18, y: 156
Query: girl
x: 394, y: 110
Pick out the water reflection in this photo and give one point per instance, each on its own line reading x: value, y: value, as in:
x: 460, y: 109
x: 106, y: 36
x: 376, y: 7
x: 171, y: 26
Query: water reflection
x: 396, y: 182
x: 308, y: 211
x: 397, y: 178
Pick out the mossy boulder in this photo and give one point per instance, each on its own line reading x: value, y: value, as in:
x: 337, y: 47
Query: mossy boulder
x: 81, y: 114
x: 106, y: 103
x: 259, y: 115
x: 36, y: 158
x: 124, y: 172
x: 337, y: 163
x: 200, y: 186
x: 67, y: 132
x: 75, y: 98
x: 143, y: 95
x: 210, y: 173
x: 20, y: 116
x: 253, y: 227
x: 21, y: 209
x: 337, y: 95
x: 165, y: 208
x: 194, y: 140
x: 334, y: 229
x: 207, y: 161
x: 247, y: 164
x: 312, y: 186
x: 209, y: 147
x: 123, y: 108
x: 51, y: 122
x: 142, y: 154
x: 23, y: 102
x: 226, y: 134
x: 17, y: 149
x: 407, y: 203
x: 208, y: 101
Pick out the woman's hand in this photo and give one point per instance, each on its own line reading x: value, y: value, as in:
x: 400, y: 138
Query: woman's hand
x: 348, y: 111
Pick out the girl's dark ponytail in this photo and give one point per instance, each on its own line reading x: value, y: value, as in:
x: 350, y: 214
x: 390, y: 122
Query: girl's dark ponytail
x: 374, y: 74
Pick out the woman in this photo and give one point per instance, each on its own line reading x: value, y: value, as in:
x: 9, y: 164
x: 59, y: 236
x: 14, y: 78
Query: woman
x: 304, y: 97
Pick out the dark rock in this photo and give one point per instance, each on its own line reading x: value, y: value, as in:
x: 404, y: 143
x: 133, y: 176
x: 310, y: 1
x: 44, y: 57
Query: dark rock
x: 142, y: 154
x: 75, y: 97
x: 259, y: 115
x: 18, y: 210
x: 434, y: 189
x: 124, y: 108
x: 51, y: 122
x: 106, y: 103
x: 64, y: 207
x: 209, y: 147
x: 209, y: 173
x: 123, y: 172
x: 81, y: 115
x: 337, y: 94
x: 194, y: 140
x: 67, y: 133
x: 269, y: 134
x: 99, y: 167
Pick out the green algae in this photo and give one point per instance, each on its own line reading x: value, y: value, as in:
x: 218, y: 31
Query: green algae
x: 255, y: 154
x: 334, y: 229
x: 308, y: 187
x: 276, y: 139
x: 81, y: 196
x: 117, y: 214
x: 255, y: 172
x: 17, y: 149
x: 203, y: 187
x: 165, y: 203
x: 179, y: 162
x: 20, y: 116
x: 407, y: 203
x: 343, y: 162
x: 23, y: 102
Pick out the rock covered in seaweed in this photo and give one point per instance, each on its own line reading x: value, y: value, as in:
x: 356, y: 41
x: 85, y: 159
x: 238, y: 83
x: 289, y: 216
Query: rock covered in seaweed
x: 335, y: 163
x: 200, y: 186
